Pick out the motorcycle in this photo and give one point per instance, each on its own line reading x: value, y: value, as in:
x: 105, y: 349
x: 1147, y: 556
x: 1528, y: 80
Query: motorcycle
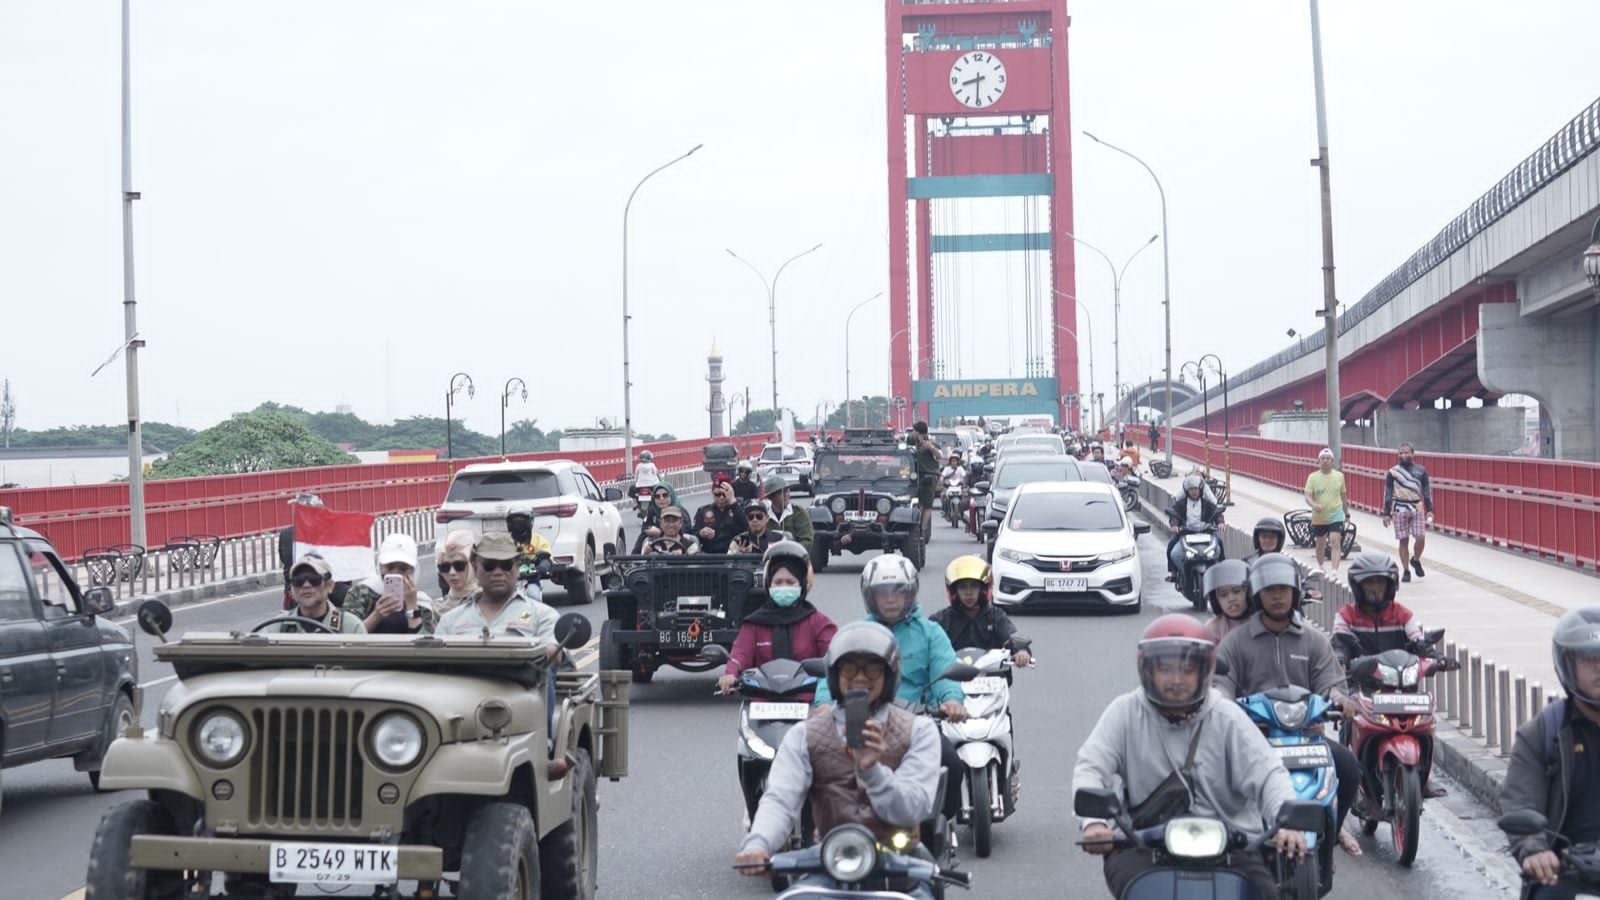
x: 1392, y: 734
x: 1192, y: 852
x: 984, y: 742
x: 641, y: 498
x: 1202, y: 548
x: 1580, y: 863
x: 776, y: 697
x: 850, y: 862
x: 955, y: 492
x: 1285, y: 715
x: 1128, y: 486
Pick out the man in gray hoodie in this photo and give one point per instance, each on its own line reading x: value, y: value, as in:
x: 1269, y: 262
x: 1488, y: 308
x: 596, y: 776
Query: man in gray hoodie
x: 1175, y: 724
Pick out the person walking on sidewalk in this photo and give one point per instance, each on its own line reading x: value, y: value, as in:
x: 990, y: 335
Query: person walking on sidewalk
x: 1155, y: 438
x: 1330, y: 506
x: 1405, y: 488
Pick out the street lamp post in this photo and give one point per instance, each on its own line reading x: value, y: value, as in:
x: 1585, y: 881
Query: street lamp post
x: 1227, y: 451
x: 1116, y: 303
x: 627, y: 382
x: 1087, y: 317
x: 848, y: 419
x: 457, y: 382
x: 772, y: 316
x: 736, y: 398
x: 1330, y: 300
x: 505, y: 401
x: 1591, y: 260
x: 1205, y: 407
x: 130, y: 321
x: 1166, y: 279
x: 888, y: 389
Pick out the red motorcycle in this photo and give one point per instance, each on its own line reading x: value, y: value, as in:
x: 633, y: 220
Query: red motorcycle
x: 1392, y: 734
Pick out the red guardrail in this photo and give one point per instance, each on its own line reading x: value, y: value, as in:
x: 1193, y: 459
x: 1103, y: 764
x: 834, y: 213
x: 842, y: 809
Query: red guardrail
x: 79, y: 517
x: 1543, y: 506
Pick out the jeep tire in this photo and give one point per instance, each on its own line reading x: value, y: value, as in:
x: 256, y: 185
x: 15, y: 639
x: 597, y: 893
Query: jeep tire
x: 499, y: 854
x: 569, y: 856
x: 110, y: 877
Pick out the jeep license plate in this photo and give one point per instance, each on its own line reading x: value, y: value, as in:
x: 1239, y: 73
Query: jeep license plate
x: 680, y: 638
x: 1067, y: 585
x: 334, y: 863
x: 789, y: 712
x: 852, y: 515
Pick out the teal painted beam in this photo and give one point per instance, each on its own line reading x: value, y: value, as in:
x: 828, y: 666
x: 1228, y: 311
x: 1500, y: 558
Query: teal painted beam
x: 939, y: 187
x: 979, y: 243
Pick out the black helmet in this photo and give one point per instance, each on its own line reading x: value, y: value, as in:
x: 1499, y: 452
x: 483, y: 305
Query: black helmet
x: 1271, y: 569
x: 865, y: 638
x: 790, y: 553
x: 1228, y: 572
x: 1268, y: 523
x: 1372, y: 564
x: 1577, y: 634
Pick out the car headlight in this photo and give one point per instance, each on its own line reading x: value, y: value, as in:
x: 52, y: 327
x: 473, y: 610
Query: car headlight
x: 1119, y: 556
x: 849, y: 854
x: 837, y: 504
x: 220, y: 739
x: 1289, y: 715
x: 1196, y: 838
x: 884, y: 506
x: 396, y: 740
x: 1015, y: 556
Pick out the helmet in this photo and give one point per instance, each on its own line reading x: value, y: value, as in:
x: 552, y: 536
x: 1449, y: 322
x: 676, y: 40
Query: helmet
x: 521, y: 530
x: 1274, y: 569
x: 1372, y: 564
x: 793, y: 553
x: 969, y: 568
x: 646, y: 456
x: 744, y: 466
x: 867, y: 639
x: 1176, y: 637
x: 891, y: 570
x: 1268, y: 523
x: 773, y: 484
x: 1577, y: 635
x: 1192, y: 482
x: 1227, y: 573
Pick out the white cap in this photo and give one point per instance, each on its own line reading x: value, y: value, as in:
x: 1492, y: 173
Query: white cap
x: 400, y: 548
x: 1326, y: 451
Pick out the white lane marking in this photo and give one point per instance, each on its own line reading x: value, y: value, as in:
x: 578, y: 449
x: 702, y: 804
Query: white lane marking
x: 184, y: 607
x: 150, y: 684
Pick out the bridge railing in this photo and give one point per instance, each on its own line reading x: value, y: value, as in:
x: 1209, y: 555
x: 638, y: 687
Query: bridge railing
x: 1546, y: 507
x: 80, y: 518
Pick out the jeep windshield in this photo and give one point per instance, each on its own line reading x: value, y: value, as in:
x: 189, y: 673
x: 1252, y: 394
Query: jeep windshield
x: 491, y: 487
x: 502, y: 658
x: 878, y: 469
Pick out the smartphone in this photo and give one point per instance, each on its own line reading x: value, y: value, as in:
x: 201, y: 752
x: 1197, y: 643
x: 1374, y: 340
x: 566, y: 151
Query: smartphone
x: 856, y: 711
x: 394, y: 585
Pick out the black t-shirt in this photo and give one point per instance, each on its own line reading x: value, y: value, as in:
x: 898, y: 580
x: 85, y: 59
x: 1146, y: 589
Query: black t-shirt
x: 927, y: 459
x: 1583, y: 804
x: 726, y: 522
x: 745, y: 489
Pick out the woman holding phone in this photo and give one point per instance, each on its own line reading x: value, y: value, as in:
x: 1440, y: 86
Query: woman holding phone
x: 396, y: 607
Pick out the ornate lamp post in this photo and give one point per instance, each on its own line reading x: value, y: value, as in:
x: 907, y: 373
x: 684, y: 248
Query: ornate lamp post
x: 505, y: 401
x: 1227, y: 454
x: 457, y: 381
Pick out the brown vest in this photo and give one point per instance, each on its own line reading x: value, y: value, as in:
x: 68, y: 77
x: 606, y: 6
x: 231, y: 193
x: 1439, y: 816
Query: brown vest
x: 837, y: 796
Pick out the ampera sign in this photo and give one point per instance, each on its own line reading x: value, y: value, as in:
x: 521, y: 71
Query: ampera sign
x: 983, y: 396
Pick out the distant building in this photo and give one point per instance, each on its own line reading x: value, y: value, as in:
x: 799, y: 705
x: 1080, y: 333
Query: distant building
x: 576, y: 439
x: 52, y: 466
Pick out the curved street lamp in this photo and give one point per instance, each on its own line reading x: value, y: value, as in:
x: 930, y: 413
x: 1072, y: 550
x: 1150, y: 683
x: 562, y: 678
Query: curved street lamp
x: 848, y: 419
x: 1591, y: 260
x: 1227, y: 453
x: 772, y: 317
x: 457, y: 381
x: 736, y: 398
x: 1116, y: 303
x: 505, y: 401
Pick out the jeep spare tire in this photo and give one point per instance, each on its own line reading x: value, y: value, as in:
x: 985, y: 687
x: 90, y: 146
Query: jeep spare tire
x: 500, y: 854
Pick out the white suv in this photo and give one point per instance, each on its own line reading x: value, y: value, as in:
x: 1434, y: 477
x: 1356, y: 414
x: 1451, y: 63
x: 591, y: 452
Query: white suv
x: 570, y: 510
x: 793, y: 464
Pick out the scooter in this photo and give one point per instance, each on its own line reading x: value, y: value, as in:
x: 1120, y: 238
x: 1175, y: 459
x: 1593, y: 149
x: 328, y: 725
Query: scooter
x: 1392, y: 734
x: 1580, y: 863
x: 984, y: 742
x: 1285, y: 715
x: 1202, y: 548
x: 776, y: 698
x: 641, y: 498
x: 955, y: 490
x: 1129, y: 488
x: 1191, y: 853
x: 851, y: 862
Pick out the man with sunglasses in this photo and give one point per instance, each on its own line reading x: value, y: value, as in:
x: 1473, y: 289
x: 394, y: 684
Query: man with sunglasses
x: 760, y: 534
x: 718, y: 522
x: 496, y: 605
x: 311, y: 586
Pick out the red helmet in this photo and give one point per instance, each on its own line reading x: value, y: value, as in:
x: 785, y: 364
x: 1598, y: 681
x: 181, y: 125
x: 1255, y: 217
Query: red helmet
x: 1179, y: 643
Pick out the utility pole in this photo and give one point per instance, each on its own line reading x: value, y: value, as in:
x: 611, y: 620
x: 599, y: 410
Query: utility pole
x: 1330, y: 301
x: 8, y: 413
x: 130, y: 321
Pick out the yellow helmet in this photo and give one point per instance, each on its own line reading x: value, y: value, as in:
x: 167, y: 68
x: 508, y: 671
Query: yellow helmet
x: 968, y: 568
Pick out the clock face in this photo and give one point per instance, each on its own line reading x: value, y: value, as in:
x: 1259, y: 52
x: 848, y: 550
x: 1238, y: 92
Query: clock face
x: 978, y: 79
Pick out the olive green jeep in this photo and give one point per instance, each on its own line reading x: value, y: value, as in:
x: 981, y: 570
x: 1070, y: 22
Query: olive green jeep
x: 374, y: 761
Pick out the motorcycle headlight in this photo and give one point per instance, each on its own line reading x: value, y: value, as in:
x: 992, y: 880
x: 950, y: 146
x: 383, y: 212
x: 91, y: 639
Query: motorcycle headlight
x: 1196, y: 838
x: 884, y: 506
x: 849, y: 854
x: 837, y: 504
x: 1015, y: 556
x: 396, y: 741
x: 1389, y: 675
x: 1410, y: 674
x: 220, y: 738
x: 1289, y: 715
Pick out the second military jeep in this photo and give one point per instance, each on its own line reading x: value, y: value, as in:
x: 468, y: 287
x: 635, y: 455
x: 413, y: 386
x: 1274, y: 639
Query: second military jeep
x: 282, y: 760
x: 865, y: 488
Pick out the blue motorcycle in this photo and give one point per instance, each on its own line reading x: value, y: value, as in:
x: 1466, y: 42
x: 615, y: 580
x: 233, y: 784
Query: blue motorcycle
x: 1286, y: 715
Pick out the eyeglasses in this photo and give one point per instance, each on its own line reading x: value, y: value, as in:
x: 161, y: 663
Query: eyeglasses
x: 454, y: 565
x: 497, y: 565
x: 874, y: 670
x: 755, y: 516
x: 306, y: 580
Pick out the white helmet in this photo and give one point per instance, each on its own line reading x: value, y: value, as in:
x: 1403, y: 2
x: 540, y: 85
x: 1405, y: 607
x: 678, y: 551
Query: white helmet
x: 889, y: 571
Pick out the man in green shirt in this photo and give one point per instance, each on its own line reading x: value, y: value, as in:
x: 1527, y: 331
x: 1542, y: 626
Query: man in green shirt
x: 927, y: 473
x: 1325, y: 492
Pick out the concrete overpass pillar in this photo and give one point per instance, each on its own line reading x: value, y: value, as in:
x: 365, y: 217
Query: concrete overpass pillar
x: 1554, y: 360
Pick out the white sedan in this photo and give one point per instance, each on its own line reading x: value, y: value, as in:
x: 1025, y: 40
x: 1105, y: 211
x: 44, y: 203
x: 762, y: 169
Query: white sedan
x: 1067, y: 544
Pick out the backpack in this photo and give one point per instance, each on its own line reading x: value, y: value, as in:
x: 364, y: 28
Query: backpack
x: 1552, y: 716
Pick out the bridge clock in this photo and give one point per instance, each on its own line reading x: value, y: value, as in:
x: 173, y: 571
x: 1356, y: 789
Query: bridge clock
x: 977, y: 79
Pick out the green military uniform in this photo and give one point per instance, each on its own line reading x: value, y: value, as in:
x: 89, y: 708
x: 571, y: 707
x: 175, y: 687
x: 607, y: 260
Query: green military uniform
x: 338, y: 620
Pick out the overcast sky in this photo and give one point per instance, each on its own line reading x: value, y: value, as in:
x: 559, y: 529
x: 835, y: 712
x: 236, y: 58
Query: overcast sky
x: 346, y: 202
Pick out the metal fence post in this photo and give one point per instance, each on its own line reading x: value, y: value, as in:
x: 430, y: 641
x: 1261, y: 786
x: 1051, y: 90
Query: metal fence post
x: 1490, y: 735
x: 1537, y: 704
x: 1474, y: 696
x: 1448, y: 707
x: 1505, y: 712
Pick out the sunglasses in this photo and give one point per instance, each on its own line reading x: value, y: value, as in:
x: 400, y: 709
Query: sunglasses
x: 873, y: 669
x: 455, y: 565
x: 307, y: 580
x: 497, y: 565
x: 755, y: 515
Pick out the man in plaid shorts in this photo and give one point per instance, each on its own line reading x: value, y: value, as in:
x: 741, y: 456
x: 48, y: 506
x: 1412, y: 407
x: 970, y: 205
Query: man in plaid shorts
x: 1407, y: 499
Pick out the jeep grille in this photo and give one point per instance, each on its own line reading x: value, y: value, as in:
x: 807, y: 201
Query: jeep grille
x: 306, y: 769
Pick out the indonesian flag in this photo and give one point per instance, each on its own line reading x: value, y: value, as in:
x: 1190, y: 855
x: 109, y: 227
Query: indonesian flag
x: 344, y: 539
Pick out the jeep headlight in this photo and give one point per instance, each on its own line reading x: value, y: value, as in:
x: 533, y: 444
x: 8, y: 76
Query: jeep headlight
x: 220, y: 738
x: 396, y: 741
x: 1196, y: 838
x: 837, y: 504
x: 885, y: 505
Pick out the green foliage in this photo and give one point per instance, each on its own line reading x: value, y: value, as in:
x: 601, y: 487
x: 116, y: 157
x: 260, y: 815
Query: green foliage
x: 759, y: 421
x: 428, y: 432
x: 864, y: 412
x: 158, y: 436
x: 256, y: 441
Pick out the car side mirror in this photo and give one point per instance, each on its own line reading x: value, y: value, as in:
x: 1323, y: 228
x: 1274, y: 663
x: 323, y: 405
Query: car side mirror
x: 1096, y: 803
x: 613, y: 494
x: 155, y: 619
x: 816, y: 667
x: 959, y: 672
x: 100, y: 601
x: 1301, y: 815
x: 1523, y: 822
x: 573, y: 631
x: 1141, y: 528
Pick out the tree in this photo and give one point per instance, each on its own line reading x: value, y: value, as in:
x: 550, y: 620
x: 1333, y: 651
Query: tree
x: 760, y: 420
x: 250, y: 442
x: 866, y: 412
x: 428, y: 432
x: 158, y: 436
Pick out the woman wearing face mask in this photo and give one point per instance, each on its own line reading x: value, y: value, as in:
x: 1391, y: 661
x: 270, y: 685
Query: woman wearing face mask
x: 787, y: 627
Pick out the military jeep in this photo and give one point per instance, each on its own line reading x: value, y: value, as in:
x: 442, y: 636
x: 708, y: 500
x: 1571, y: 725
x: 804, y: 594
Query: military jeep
x: 865, y: 490
x: 365, y: 761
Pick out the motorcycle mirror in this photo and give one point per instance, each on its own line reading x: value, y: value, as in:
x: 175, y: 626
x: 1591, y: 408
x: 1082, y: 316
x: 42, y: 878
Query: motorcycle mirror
x: 1301, y: 815
x: 1433, y: 636
x: 573, y: 631
x: 816, y: 667
x: 1141, y: 528
x: 1523, y: 822
x: 1021, y: 641
x: 1096, y: 803
x: 981, y: 487
x: 960, y: 672
x: 715, y: 653
x: 155, y: 619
